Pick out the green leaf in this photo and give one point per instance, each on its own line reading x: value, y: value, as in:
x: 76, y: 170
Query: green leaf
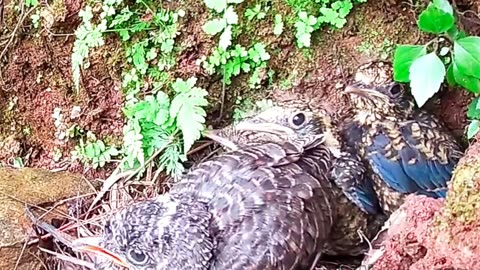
x: 426, y: 75
x: 89, y: 150
x: 403, y: 59
x: 278, y: 25
x: 217, y: 5
x: 473, y: 129
x: 450, y: 76
x: 250, y: 14
x: 230, y: 16
x: 469, y: 82
x: 473, y: 111
x: 214, y: 26
x: 435, y: 20
x: 101, y: 146
x: 466, y: 54
x: 226, y: 38
x: 187, y: 109
x: 443, y: 5
x: 113, y: 152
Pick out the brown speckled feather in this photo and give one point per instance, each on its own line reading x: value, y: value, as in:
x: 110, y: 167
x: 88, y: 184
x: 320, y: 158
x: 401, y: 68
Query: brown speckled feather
x: 254, y: 208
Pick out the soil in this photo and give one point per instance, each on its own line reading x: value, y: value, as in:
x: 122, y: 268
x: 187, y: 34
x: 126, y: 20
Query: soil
x: 36, y: 73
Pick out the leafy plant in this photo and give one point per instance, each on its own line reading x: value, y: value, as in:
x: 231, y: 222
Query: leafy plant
x: 256, y: 12
x: 36, y: 18
x: 473, y: 113
x: 95, y: 152
x: 162, y: 114
x: 232, y: 62
x: 304, y: 27
x: 158, y: 122
x: 87, y: 36
x: 31, y: 3
x: 330, y: 12
x: 451, y: 55
x: 335, y: 14
x: 223, y: 24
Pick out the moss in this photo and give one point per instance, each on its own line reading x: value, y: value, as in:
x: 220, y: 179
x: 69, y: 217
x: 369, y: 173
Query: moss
x: 112, y: 140
x: 463, y: 200
x: 59, y: 10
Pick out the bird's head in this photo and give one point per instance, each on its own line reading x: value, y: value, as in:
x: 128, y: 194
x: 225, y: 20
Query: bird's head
x: 291, y: 121
x: 142, y: 236
x: 379, y: 98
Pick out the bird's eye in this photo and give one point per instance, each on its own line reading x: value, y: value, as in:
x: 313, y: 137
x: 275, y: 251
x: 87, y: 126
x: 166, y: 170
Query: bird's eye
x: 137, y: 257
x: 298, y: 120
x: 395, y: 90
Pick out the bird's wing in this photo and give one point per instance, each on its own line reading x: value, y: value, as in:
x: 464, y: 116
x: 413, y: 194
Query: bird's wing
x: 349, y: 174
x: 268, y: 213
x: 413, y: 157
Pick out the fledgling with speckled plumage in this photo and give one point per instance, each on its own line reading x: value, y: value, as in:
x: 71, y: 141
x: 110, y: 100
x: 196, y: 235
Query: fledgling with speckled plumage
x: 346, y: 170
x: 265, y: 205
x: 405, y: 149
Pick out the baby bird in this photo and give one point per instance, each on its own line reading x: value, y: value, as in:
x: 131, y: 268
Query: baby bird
x: 405, y: 150
x: 260, y: 206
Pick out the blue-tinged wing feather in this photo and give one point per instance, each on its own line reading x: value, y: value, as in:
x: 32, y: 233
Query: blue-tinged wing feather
x: 411, y: 170
x: 390, y: 170
x: 349, y: 174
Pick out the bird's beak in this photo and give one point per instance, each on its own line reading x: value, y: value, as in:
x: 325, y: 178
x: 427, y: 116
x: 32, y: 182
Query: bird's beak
x: 265, y: 128
x: 213, y: 134
x: 363, y: 92
x: 92, y: 244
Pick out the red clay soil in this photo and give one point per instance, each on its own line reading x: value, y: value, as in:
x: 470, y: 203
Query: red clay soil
x: 414, y: 242
x: 38, y: 76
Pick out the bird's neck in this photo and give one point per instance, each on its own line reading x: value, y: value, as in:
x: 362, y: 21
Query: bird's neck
x: 191, y: 243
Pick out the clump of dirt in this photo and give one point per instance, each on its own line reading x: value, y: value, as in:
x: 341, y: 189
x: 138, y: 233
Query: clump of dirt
x: 415, y: 241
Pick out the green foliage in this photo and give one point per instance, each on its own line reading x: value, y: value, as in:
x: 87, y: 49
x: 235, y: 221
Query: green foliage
x: 87, y: 36
x: 31, y: 3
x: 256, y: 12
x: 451, y: 55
x: 278, y: 25
x: 224, y: 24
x: 423, y: 89
x: 95, y: 152
x: 304, y: 26
x: 162, y: 114
x: 233, y: 61
x: 311, y: 15
x: 474, y: 114
x: 36, y: 19
x: 158, y: 122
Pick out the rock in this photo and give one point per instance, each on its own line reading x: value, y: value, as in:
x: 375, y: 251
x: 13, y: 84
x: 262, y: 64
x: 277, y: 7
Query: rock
x: 33, y: 186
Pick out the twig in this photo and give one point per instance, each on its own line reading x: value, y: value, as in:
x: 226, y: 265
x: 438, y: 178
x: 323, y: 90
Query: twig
x: 208, y: 143
x: 12, y: 35
x: 59, y: 235
x: 115, y: 177
x: 69, y: 259
x: 17, y: 263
